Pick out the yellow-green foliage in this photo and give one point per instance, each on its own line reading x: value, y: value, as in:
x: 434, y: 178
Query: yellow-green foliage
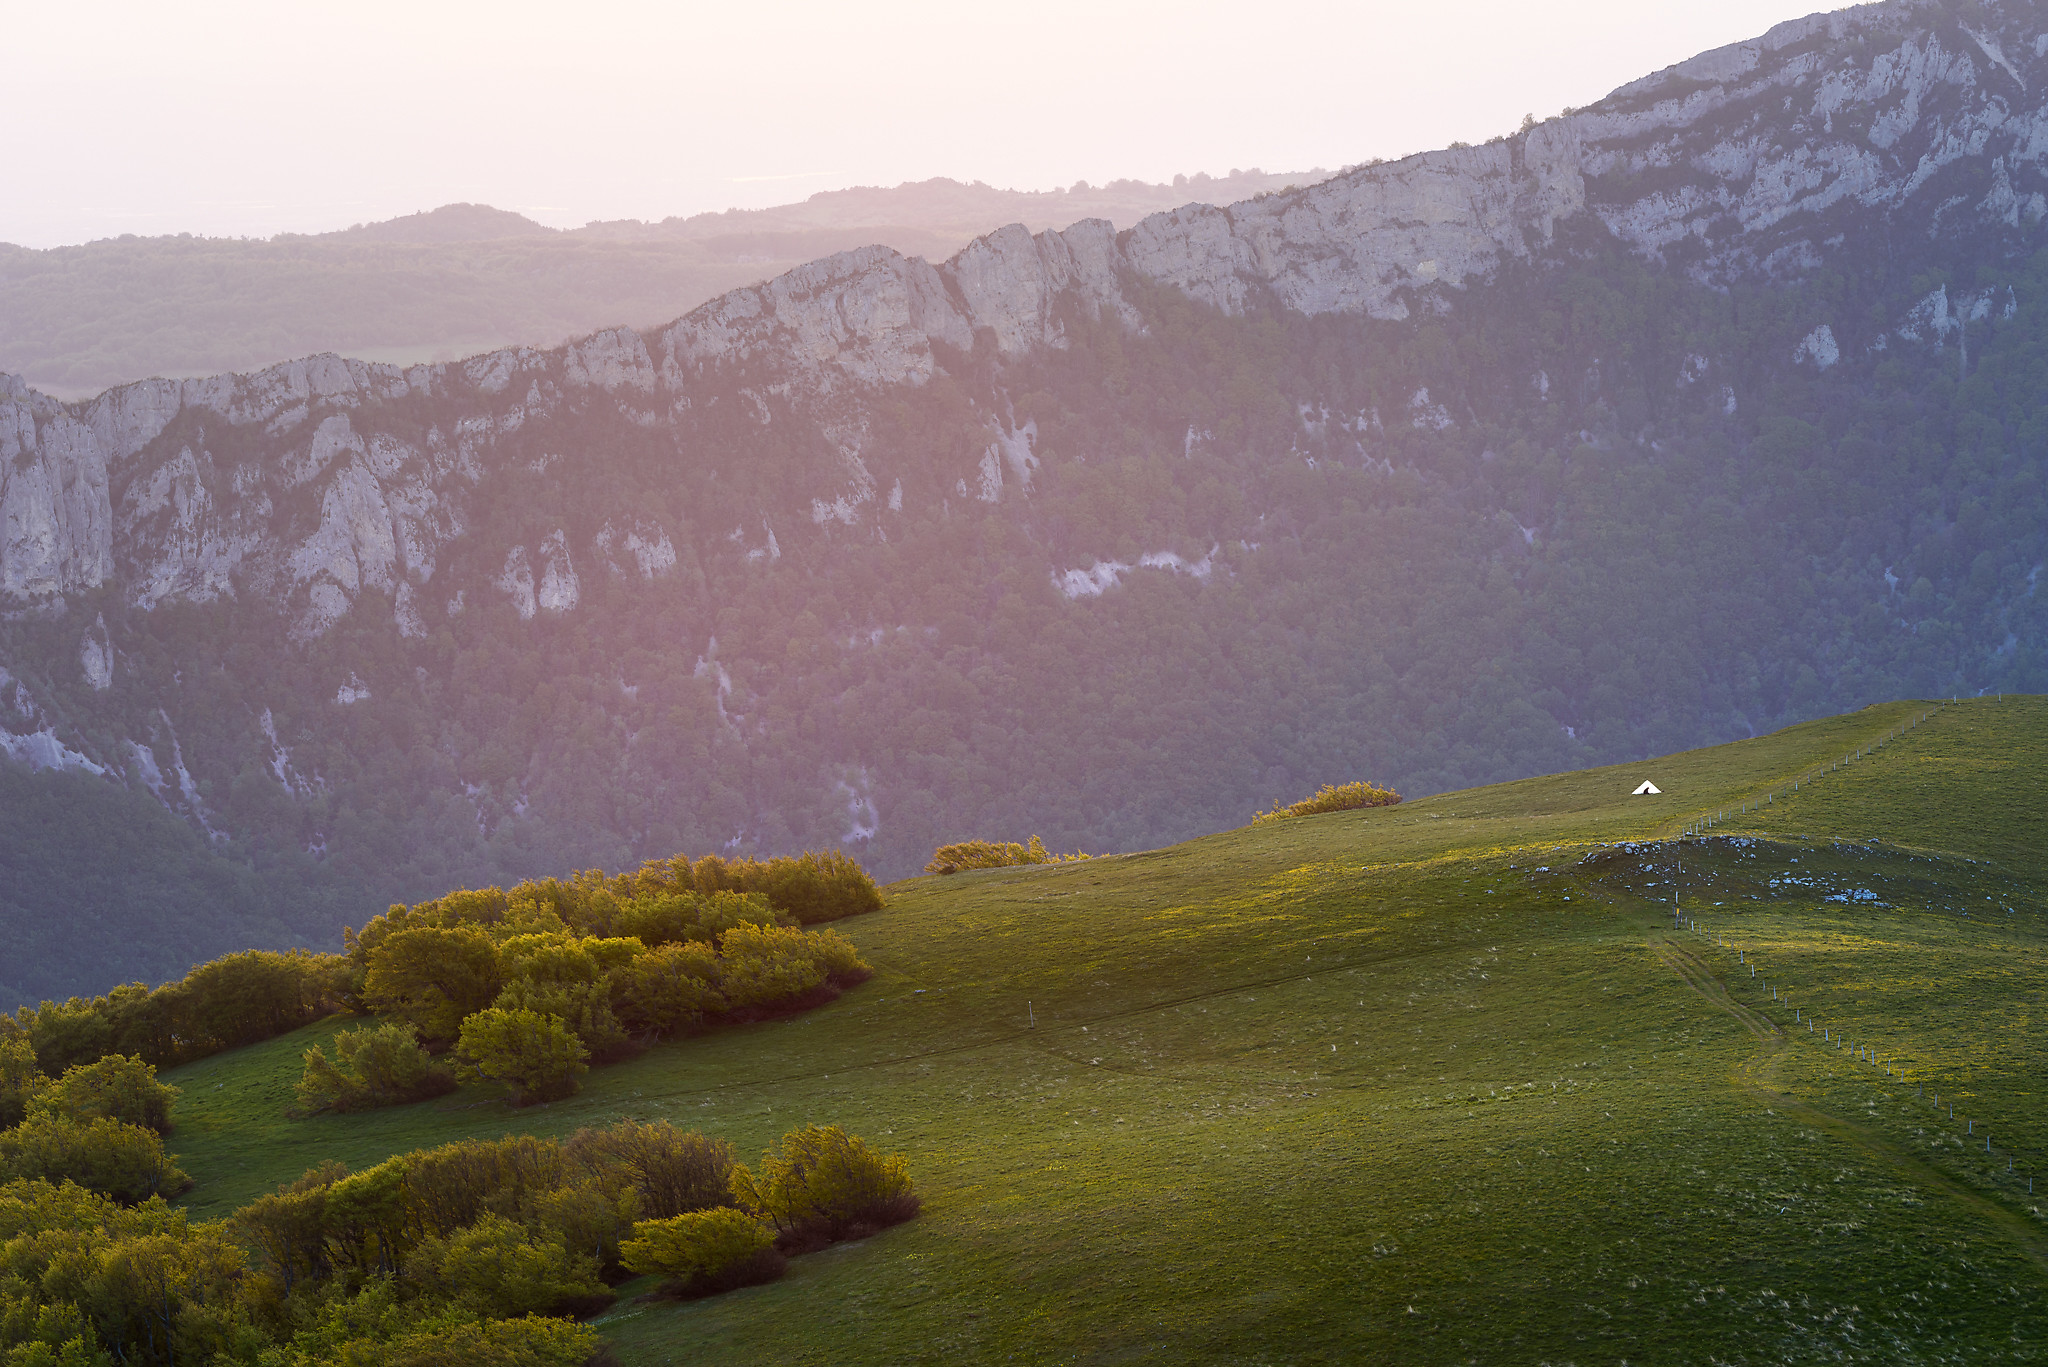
x: 669, y: 988
x: 763, y: 966
x: 126, y: 1162
x: 702, y: 1246
x: 661, y: 901
x: 152, y: 1287
x: 1333, y: 797
x: 117, y: 1087
x: 617, y: 961
x: 500, y: 1269
x: 378, y: 1065
x: 446, y: 1257
x: 235, y: 1000
x: 824, y: 1180
x: 655, y: 961
x: 20, y: 1079
x: 537, y: 1057
x: 377, y: 1329
x: 432, y: 977
x: 667, y: 1170
x: 994, y: 854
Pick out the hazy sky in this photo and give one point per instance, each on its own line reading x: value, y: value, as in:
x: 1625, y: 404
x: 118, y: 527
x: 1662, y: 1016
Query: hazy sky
x: 255, y: 116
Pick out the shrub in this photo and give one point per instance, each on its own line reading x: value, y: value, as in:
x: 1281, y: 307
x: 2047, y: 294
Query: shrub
x: 236, y: 1000
x: 593, y: 1216
x: 288, y: 1230
x: 126, y: 1162
x: 812, y: 887
x: 380, y: 1065
x: 501, y: 1269
x: 837, y: 956
x: 992, y: 854
x: 366, y: 1218
x: 705, y: 1251
x: 1342, y: 797
x: 256, y: 995
x: 671, y: 1171
x: 826, y: 1183
x: 536, y: 1057
x: 533, y: 1341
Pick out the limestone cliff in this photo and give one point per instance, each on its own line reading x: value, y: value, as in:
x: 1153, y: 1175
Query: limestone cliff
x: 1757, y: 158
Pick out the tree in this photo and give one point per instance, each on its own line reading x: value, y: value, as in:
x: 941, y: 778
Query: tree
x: 20, y: 1079
x: 127, y: 1162
x: 501, y: 1269
x: 705, y: 1250
x: 380, y: 1065
x: 668, y: 989
x: 671, y: 1171
x: 432, y: 977
x: 379, y: 1328
x: 824, y: 1181
x: 118, y: 1087
x: 166, y: 1297
x: 766, y: 966
x: 536, y: 1057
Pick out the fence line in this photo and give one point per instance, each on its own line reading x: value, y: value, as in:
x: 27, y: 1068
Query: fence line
x: 1857, y: 1050
x: 1700, y: 823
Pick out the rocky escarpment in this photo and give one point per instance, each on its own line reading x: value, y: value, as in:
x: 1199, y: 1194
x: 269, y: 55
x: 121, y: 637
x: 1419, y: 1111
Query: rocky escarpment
x: 304, y: 484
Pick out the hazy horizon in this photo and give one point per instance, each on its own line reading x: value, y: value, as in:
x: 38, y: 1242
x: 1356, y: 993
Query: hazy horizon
x: 234, y: 119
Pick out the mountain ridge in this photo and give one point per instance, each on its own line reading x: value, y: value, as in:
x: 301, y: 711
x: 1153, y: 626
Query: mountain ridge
x: 1367, y: 241
x: 1646, y: 426
x: 463, y: 279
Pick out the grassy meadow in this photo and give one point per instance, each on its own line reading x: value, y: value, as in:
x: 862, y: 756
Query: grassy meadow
x: 1447, y: 1082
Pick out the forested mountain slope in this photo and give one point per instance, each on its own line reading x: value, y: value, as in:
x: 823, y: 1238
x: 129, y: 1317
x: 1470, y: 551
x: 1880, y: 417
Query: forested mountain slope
x: 1714, y: 406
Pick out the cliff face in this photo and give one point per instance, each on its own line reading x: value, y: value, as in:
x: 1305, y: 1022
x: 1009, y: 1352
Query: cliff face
x: 1760, y: 158
x: 1709, y: 408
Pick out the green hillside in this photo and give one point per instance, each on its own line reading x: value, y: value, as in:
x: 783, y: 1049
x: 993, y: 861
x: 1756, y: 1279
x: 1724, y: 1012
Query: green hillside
x: 1443, y: 1082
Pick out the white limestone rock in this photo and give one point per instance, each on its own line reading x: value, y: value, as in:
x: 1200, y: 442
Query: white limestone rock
x: 1819, y: 347
x: 96, y: 656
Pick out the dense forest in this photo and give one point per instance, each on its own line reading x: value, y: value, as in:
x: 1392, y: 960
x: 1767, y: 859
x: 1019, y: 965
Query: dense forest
x: 1591, y: 512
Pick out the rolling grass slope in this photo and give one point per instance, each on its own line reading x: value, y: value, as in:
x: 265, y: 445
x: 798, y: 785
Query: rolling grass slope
x: 1445, y: 1082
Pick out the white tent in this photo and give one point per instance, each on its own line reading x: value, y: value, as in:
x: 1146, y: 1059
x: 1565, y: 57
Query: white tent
x: 1647, y: 788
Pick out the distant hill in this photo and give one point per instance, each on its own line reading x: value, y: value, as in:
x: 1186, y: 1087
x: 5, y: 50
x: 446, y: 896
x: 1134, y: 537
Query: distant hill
x: 466, y: 278
x: 449, y: 223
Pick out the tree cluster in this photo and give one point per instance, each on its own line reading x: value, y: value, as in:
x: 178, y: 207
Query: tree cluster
x: 481, y: 1252
x: 86, y: 1281
x: 531, y: 986
x: 231, y: 1001
x: 100, y: 1124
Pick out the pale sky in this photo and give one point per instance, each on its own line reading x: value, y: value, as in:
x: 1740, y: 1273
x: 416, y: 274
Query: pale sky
x: 251, y: 117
